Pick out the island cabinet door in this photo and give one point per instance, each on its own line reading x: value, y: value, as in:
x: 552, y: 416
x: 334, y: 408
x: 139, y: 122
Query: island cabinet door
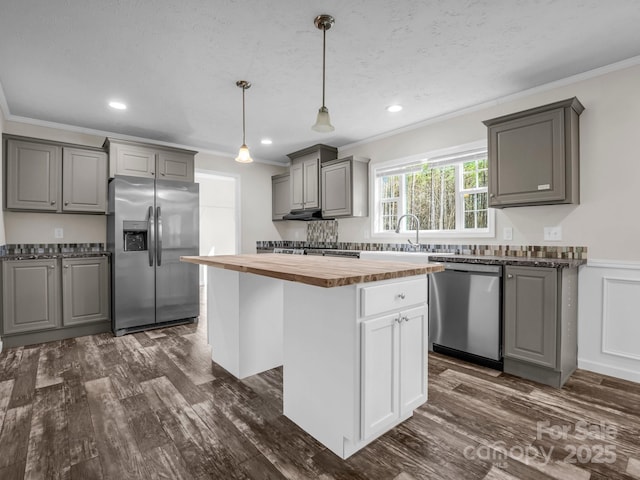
x: 380, y: 374
x: 413, y: 374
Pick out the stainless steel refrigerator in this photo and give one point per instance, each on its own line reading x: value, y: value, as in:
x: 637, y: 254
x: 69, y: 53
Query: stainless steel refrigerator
x: 151, y: 223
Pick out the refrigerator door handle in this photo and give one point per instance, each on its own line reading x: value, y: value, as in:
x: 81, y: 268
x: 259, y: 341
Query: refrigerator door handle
x: 151, y: 240
x: 159, y: 249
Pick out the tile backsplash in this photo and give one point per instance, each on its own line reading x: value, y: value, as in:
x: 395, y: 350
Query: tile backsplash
x: 44, y: 248
x: 322, y: 231
x: 525, y: 251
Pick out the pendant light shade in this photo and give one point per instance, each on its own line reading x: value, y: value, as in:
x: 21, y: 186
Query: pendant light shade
x: 243, y: 154
x: 323, y: 122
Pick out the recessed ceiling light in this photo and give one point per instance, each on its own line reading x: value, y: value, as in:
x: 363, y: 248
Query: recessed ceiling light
x: 394, y: 108
x: 266, y: 141
x: 118, y: 105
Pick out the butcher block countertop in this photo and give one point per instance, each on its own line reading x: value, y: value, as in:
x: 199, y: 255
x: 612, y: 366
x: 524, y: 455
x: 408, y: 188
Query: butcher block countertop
x: 315, y: 270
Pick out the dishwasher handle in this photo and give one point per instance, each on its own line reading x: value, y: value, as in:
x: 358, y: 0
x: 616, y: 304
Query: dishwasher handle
x: 473, y: 268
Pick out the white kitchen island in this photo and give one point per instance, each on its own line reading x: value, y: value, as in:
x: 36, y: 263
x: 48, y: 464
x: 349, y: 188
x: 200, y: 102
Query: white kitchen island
x: 351, y: 335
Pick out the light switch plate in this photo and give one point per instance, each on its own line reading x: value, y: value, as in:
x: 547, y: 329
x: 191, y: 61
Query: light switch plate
x: 553, y: 234
x: 58, y: 232
x: 507, y: 233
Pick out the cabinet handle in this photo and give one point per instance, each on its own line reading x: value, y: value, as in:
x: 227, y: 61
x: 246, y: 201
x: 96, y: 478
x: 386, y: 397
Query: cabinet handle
x: 162, y: 174
x: 66, y: 203
x: 66, y: 266
x: 510, y: 275
x: 52, y: 267
x: 401, y: 296
x: 492, y: 195
x: 53, y: 202
x: 406, y: 319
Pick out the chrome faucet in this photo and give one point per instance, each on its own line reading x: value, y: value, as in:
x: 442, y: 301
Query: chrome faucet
x: 417, y: 227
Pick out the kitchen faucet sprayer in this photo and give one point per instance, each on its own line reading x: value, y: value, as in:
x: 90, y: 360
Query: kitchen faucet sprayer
x: 411, y: 215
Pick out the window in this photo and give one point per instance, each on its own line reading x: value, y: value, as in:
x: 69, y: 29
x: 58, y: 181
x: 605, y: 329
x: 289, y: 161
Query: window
x: 447, y: 193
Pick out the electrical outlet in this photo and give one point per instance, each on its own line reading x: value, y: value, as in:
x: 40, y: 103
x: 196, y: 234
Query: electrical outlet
x: 553, y: 234
x: 58, y: 232
x: 507, y: 233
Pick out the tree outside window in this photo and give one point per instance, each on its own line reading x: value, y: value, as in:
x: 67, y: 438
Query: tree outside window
x: 447, y: 196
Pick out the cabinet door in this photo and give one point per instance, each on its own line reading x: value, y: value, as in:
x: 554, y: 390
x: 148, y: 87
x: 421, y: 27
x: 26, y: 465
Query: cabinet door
x: 84, y: 180
x: 85, y: 290
x: 175, y: 166
x: 380, y: 374
x: 527, y: 160
x: 33, y: 176
x: 280, y: 196
x: 336, y: 190
x: 296, y: 173
x: 30, y: 290
x: 135, y: 161
x: 413, y: 360
x: 530, y: 309
x: 311, y: 190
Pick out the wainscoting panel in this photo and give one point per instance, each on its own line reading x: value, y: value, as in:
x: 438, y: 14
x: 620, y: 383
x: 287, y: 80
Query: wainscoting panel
x: 620, y: 313
x: 609, y: 318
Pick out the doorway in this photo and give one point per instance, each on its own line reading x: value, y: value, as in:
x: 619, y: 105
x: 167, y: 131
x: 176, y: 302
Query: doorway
x: 219, y: 215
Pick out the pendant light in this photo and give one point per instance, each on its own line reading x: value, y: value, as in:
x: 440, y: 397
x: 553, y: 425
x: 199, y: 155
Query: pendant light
x: 323, y: 122
x: 243, y: 154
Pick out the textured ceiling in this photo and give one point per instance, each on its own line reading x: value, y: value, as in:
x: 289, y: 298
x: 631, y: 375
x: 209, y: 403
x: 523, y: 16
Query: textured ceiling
x: 175, y: 63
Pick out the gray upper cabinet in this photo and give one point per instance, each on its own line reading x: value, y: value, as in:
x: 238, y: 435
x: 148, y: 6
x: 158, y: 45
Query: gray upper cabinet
x: 30, y: 295
x: 280, y: 196
x: 54, y: 177
x: 540, y: 323
x: 345, y: 187
x: 151, y: 161
x: 85, y: 290
x: 32, y: 175
x: 84, y: 181
x: 305, y: 175
x: 534, y: 156
x: 176, y: 166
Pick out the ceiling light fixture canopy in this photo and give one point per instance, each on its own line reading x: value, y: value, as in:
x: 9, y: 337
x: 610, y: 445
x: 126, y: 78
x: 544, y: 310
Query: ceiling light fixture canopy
x: 323, y: 122
x: 243, y: 154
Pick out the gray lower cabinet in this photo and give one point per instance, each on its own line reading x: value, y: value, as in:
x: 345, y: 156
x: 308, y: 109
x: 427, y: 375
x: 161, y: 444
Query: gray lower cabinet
x: 33, y: 172
x: 345, y: 191
x: 540, y: 323
x: 51, y: 299
x: 54, y: 177
x: 30, y: 295
x: 280, y: 196
x: 151, y: 161
x: 85, y: 290
x: 534, y: 156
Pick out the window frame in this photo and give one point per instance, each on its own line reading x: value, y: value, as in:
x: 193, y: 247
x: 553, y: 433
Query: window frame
x: 423, y: 158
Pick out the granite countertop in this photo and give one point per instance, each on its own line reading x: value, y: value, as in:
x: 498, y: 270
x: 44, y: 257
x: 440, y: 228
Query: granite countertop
x: 504, y: 260
x: 46, y: 256
x: 314, y: 270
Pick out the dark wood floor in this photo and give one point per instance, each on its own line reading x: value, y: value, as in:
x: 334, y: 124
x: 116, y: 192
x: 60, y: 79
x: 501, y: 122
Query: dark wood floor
x: 152, y: 405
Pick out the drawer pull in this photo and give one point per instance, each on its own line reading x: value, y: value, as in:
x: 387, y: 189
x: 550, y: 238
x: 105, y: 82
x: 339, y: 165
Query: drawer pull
x: 401, y: 295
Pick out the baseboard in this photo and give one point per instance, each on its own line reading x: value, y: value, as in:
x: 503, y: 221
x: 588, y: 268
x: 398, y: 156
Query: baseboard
x: 632, y: 376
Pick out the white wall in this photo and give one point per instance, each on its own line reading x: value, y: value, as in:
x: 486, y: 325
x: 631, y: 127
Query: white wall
x: 607, y: 221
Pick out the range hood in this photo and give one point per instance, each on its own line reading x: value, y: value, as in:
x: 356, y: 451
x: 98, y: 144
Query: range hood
x: 305, y: 215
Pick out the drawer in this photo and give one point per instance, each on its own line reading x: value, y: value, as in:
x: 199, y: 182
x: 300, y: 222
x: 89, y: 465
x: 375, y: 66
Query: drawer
x: 393, y: 296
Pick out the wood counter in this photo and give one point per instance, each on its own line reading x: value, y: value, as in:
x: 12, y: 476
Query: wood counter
x: 315, y: 270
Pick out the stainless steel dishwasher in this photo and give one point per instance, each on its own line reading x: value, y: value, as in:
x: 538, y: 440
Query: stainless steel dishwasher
x: 465, y: 318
